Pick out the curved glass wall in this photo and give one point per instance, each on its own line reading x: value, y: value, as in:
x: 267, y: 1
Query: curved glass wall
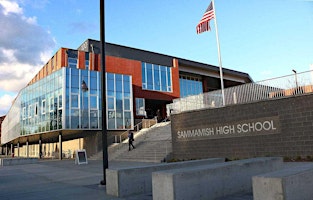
x: 42, y: 105
x: 61, y: 101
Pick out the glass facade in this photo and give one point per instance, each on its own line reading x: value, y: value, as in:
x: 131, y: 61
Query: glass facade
x: 41, y: 105
x: 59, y: 102
x: 190, y: 85
x: 156, y: 77
x: 82, y: 104
x: 119, y: 101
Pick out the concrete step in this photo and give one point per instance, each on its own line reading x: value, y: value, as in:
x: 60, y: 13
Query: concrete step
x: 152, y: 145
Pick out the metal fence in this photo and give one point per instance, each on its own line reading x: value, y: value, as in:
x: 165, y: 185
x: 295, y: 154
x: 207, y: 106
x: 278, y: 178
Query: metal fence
x: 286, y: 86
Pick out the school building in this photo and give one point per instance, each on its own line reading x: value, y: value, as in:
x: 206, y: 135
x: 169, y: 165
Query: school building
x: 63, y: 100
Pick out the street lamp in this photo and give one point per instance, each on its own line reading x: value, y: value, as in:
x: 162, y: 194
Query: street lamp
x: 296, y: 79
x: 84, y: 88
x: 103, y: 94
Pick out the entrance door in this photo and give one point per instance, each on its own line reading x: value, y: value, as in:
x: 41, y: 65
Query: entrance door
x: 156, y: 109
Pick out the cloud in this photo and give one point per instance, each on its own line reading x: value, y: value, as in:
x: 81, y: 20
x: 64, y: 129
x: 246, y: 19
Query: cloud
x: 5, y: 103
x: 24, y: 48
x: 10, y: 7
x: 23, y: 36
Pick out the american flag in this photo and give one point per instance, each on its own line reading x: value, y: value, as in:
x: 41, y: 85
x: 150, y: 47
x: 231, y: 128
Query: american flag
x: 204, y: 24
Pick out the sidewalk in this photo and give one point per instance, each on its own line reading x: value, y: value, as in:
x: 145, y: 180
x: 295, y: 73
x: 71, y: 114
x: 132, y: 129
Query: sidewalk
x: 54, y: 179
x: 60, y: 180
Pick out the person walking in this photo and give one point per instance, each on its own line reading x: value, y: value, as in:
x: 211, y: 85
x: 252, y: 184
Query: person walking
x: 130, y: 140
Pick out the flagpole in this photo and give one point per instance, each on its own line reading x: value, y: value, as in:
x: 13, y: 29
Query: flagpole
x: 219, y: 54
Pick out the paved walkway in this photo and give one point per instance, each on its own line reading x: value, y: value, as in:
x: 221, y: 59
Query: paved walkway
x: 59, y: 180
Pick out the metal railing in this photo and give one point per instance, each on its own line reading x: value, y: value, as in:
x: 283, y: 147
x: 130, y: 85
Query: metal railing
x: 145, y: 123
x: 286, y: 86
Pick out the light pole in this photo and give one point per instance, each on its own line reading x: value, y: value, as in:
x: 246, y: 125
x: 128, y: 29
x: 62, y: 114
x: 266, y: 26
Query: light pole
x: 103, y: 94
x: 296, y: 79
x: 84, y: 89
x: 294, y: 71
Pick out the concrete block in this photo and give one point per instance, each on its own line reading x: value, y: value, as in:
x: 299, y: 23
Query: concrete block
x: 211, y: 181
x: 17, y: 161
x: 287, y: 184
x: 138, y: 180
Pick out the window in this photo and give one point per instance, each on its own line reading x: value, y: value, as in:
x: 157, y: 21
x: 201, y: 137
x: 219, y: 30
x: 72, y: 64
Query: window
x: 72, y: 62
x: 51, y: 104
x: 140, y: 107
x: 93, y: 102
x: 156, y: 77
x: 43, y: 107
x: 119, y: 102
x: 36, y: 109
x: 190, y: 85
x: 30, y: 111
x: 74, y: 102
x: 24, y: 113
x: 87, y: 64
x: 60, y: 102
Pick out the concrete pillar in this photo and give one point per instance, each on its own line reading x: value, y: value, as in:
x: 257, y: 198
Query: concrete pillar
x: 27, y: 150
x: 60, y: 144
x: 12, y: 153
x: 18, y: 149
x: 40, y: 149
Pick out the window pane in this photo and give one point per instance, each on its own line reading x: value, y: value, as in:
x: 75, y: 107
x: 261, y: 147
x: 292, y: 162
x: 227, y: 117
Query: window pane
x: 127, y: 87
x: 157, y: 84
x: 143, y: 75
x: 118, y: 86
x: 149, y: 76
x: 126, y: 104
x: 93, y: 102
x: 127, y: 119
x: 169, y: 79
x: 119, y: 120
x: 119, y: 104
x: 111, y: 103
x: 75, y: 81
x: 111, y: 120
x: 60, y: 101
x: 163, y: 78
x: 74, y: 98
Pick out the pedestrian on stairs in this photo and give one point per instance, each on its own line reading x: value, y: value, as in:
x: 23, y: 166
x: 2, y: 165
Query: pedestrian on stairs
x: 130, y: 140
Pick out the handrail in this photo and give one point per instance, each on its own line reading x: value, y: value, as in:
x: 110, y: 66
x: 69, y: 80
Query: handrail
x: 136, y: 128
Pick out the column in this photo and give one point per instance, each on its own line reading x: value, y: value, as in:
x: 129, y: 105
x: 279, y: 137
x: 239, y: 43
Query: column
x: 18, y: 149
x: 12, y: 150
x: 27, y: 150
x: 40, y: 149
x: 60, y: 144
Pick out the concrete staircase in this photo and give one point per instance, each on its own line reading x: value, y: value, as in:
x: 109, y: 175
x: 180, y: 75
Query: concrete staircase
x: 152, y: 145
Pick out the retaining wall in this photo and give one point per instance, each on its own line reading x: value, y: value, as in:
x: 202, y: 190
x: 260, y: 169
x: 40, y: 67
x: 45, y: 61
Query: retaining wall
x: 277, y: 127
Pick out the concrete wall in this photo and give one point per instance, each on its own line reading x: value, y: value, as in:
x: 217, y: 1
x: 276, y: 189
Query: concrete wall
x: 138, y: 180
x: 282, y: 127
x: 290, y: 183
x: 212, y: 181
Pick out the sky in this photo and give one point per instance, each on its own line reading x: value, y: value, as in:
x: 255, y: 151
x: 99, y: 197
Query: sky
x: 264, y: 38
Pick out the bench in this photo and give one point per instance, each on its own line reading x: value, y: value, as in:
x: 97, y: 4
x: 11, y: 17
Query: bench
x: 289, y: 183
x: 138, y: 180
x: 211, y: 181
